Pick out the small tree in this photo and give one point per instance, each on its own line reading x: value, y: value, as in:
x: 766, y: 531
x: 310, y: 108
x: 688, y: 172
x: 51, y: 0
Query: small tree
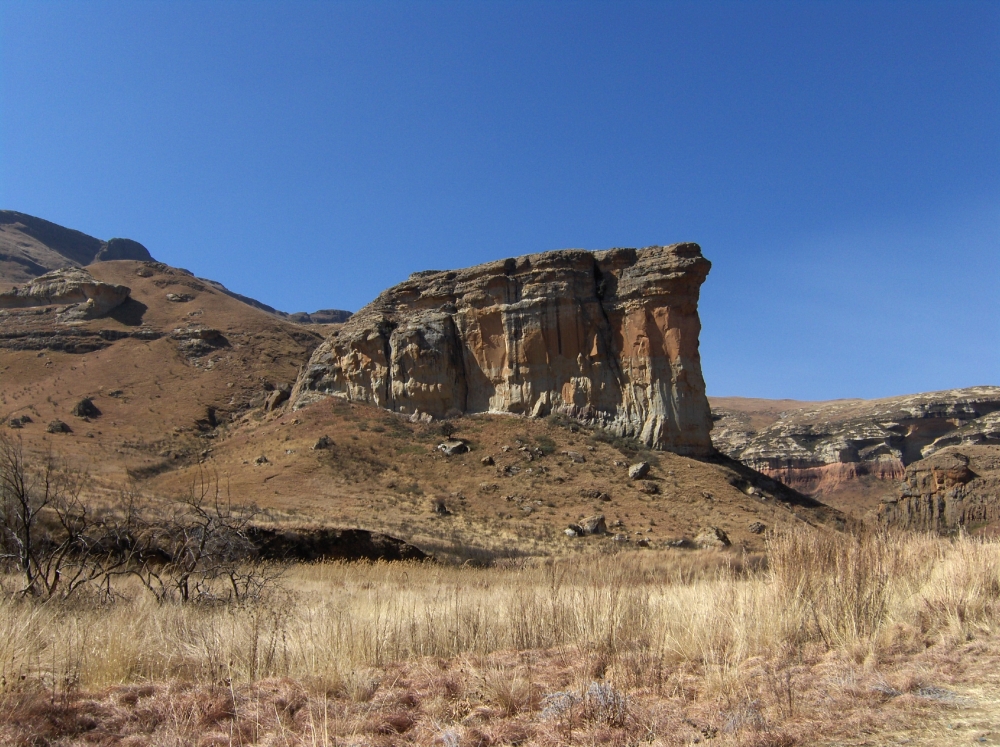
x: 198, y: 541
x: 46, y: 556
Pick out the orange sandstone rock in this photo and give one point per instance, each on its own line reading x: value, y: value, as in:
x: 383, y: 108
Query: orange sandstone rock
x: 609, y: 338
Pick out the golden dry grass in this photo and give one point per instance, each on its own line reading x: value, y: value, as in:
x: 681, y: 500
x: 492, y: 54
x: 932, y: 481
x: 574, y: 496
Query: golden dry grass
x: 835, y: 637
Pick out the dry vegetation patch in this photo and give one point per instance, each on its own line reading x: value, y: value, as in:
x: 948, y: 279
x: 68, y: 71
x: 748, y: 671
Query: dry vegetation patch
x: 835, y: 640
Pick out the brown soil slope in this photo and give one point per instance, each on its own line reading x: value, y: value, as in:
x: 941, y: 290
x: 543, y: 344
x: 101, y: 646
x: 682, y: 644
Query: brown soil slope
x: 157, y: 389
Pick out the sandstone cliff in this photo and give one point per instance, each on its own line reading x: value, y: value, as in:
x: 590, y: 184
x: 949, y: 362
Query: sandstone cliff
x: 956, y: 487
x: 817, y: 448
x: 609, y: 338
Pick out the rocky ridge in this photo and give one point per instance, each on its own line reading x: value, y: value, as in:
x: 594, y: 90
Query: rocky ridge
x: 816, y: 449
x: 609, y: 338
x: 30, y: 247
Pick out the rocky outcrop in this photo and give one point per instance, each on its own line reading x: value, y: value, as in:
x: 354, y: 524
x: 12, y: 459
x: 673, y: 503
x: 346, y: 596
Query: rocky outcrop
x: 84, y: 296
x: 114, y: 249
x: 984, y: 430
x: 948, y: 490
x: 816, y: 449
x: 609, y: 338
x: 30, y: 247
x: 310, y: 545
x: 323, y: 316
x: 65, y: 340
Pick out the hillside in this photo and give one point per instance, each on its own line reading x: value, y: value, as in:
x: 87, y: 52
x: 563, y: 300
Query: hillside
x: 30, y: 247
x: 177, y: 403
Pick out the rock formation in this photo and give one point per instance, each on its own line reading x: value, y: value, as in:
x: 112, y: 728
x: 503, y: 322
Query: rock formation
x: 948, y: 490
x: 610, y: 338
x: 323, y: 316
x: 67, y: 287
x: 30, y: 247
x: 815, y: 449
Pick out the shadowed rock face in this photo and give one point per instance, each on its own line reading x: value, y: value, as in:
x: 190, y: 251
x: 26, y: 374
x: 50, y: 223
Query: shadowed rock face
x: 609, y: 338
x: 814, y: 450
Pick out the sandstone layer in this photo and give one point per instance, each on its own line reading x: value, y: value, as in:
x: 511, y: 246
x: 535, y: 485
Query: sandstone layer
x: 954, y: 488
x: 84, y: 296
x: 815, y: 449
x: 609, y: 338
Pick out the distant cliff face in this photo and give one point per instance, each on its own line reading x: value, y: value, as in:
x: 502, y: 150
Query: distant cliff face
x: 815, y: 449
x: 955, y: 487
x: 610, y: 338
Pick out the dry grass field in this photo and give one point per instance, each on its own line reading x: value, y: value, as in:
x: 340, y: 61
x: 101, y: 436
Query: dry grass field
x: 827, y: 639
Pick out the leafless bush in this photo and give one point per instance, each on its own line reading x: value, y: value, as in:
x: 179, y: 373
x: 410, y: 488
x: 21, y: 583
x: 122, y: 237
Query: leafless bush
x: 46, y: 531
x: 196, y: 548
x: 191, y: 545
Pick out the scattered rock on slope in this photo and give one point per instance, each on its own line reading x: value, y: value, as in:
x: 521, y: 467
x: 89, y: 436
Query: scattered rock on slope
x: 712, y: 537
x: 86, y: 408
x: 638, y: 471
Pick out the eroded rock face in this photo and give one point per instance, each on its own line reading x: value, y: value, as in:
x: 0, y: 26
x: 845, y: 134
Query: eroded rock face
x: 609, y: 338
x: 815, y: 450
x: 948, y: 490
x: 73, y: 287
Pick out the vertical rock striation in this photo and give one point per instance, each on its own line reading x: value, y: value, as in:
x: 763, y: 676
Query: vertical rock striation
x: 609, y: 338
x: 948, y: 491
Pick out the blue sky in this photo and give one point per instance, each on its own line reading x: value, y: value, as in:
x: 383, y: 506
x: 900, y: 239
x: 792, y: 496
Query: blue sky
x: 839, y: 162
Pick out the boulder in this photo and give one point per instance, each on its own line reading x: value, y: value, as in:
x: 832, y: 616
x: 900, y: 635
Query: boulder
x: 712, y: 537
x: 757, y: 527
x: 58, y: 426
x: 607, y: 338
x: 487, y: 461
x: 638, y: 471
x: 277, y: 398
x: 575, y: 456
x: 323, y: 442
x: 594, y: 525
x: 452, y: 447
x: 86, y: 408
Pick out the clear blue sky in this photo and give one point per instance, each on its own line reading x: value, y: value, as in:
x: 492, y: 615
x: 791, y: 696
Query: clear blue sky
x: 839, y: 162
